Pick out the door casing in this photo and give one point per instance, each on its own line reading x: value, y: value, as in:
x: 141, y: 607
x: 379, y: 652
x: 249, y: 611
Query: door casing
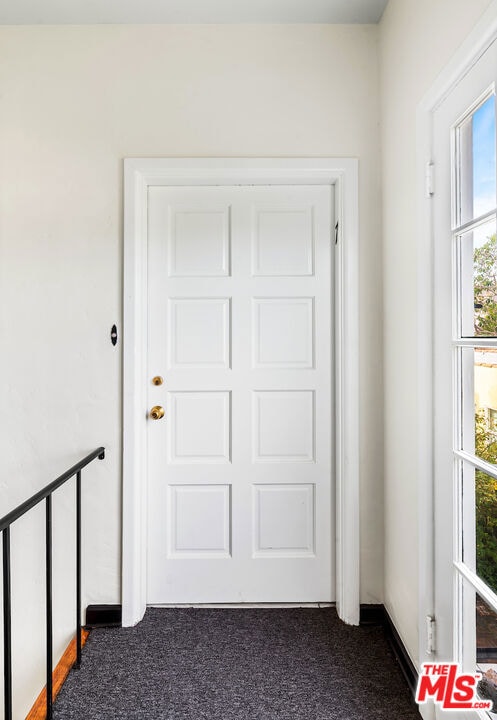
x: 139, y: 174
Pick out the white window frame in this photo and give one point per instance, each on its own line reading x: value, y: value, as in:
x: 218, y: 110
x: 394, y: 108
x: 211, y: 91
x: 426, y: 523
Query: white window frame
x: 139, y: 174
x: 477, y: 42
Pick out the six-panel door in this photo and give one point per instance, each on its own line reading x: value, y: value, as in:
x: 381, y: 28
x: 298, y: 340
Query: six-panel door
x: 240, y: 327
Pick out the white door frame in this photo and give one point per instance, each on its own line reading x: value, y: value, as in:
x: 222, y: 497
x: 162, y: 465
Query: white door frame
x: 139, y: 174
x: 477, y: 42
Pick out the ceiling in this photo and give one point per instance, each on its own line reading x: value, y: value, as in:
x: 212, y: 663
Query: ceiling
x: 82, y: 12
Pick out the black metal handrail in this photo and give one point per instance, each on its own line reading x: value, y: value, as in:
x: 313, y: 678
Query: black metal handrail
x: 5, y: 523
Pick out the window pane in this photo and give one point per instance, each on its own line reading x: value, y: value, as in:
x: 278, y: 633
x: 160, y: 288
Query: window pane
x: 479, y: 411
x: 477, y: 625
x: 486, y: 403
x: 486, y: 631
x: 480, y: 524
x: 486, y: 650
x: 477, y: 164
x: 478, y: 286
x: 486, y: 528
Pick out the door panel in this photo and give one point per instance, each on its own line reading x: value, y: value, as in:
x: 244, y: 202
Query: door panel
x: 240, y: 468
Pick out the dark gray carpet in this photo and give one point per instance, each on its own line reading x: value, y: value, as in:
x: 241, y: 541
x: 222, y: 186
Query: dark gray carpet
x: 200, y: 664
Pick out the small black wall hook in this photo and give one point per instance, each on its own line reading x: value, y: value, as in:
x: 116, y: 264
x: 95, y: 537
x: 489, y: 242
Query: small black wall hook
x: 113, y: 335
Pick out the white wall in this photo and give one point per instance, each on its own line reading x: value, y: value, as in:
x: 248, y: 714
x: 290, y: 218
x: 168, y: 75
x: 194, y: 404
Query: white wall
x: 74, y: 102
x: 417, y: 38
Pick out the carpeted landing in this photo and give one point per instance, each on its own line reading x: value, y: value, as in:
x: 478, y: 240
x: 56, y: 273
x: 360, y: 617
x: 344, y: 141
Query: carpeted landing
x: 223, y: 664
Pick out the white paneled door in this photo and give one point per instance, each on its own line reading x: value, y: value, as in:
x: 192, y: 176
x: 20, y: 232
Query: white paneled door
x: 240, y: 504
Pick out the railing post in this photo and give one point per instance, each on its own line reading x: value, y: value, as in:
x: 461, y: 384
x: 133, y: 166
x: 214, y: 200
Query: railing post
x: 5, y: 523
x: 49, y: 605
x: 7, y: 625
x: 78, y: 569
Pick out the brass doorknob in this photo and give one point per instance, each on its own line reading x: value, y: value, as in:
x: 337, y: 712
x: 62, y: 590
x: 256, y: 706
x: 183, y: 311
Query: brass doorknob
x: 157, y: 412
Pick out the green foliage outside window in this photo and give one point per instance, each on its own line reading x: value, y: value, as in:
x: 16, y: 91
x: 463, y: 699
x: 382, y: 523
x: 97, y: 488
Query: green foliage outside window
x: 485, y: 288
x: 485, y: 298
x: 486, y: 505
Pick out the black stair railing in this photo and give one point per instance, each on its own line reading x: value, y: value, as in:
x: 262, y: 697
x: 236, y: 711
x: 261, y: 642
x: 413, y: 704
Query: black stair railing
x: 5, y: 523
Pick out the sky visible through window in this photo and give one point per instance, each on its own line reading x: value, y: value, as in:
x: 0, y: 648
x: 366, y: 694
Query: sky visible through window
x: 484, y: 164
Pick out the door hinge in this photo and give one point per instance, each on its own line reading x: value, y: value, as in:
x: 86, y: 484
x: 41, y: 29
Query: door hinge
x: 430, y: 634
x: 430, y: 180
x: 336, y: 233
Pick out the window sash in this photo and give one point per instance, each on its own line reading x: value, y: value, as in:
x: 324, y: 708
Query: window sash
x: 472, y: 342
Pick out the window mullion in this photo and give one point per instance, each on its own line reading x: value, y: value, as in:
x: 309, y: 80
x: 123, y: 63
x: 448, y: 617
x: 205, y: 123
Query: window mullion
x: 477, y: 462
x: 477, y: 583
x: 475, y: 223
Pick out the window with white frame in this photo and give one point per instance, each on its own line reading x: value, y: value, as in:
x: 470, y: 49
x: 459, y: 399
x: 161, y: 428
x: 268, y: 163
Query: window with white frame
x: 474, y: 253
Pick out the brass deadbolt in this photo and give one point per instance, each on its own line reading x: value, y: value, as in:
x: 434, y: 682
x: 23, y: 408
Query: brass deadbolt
x: 157, y: 412
x: 157, y: 380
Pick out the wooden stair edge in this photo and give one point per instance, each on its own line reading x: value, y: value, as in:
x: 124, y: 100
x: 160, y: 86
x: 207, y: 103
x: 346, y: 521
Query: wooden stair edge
x: 59, y: 675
